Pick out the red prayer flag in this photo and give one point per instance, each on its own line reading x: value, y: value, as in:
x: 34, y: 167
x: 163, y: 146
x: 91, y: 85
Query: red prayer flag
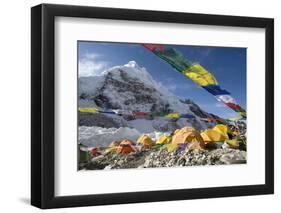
x: 153, y: 47
x: 140, y: 113
x: 233, y: 106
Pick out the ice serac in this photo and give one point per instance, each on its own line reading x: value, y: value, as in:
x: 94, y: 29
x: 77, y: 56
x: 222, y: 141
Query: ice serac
x: 131, y: 88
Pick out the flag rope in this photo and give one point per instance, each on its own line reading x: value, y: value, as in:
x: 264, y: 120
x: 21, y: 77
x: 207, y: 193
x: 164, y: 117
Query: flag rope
x: 197, y: 73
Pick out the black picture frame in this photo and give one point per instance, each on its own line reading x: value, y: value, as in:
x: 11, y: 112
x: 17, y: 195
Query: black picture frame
x: 43, y: 111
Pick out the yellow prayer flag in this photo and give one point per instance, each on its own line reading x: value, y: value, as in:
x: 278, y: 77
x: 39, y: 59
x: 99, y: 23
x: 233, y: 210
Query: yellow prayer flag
x: 200, y: 75
x: 173, y: 115
x: 90, y: 110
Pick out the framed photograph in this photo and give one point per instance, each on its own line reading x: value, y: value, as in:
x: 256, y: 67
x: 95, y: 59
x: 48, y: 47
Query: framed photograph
x: 140, y: 106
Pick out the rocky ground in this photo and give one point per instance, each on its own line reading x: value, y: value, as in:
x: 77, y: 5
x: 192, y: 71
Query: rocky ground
x: 160, y: 157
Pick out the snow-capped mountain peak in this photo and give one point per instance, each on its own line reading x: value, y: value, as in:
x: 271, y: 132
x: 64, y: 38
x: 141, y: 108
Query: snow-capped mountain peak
x: 130, y: 87
x: 133, y: 64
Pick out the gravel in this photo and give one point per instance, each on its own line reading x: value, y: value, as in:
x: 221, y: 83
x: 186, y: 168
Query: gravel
x: 160, y: 157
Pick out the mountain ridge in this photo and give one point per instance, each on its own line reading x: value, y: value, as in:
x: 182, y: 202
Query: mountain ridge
x: 131, y: 88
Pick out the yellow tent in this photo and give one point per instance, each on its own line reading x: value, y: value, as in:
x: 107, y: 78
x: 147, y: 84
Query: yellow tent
x: 187, y: 135
x: 146, y: 141
x: 199, y: 75
x: 185, y: 129
x: 112, y: 147
x: 210, y: 135
x: 176, y: 131
x: 233, y: 143
x: 222, y: 129
x: 164, y: 139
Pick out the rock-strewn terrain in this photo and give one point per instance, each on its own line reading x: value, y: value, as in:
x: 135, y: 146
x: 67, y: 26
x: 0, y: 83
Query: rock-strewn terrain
x: 160, y: 157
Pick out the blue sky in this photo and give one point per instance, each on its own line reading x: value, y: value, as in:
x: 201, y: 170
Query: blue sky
x: 227, y: 64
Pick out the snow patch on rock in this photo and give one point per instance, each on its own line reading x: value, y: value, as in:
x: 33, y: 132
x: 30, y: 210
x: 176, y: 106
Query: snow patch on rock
x: 98, y: 136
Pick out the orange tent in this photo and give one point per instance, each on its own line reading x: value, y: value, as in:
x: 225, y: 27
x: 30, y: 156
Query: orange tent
x: 187, y: 135
x: 125, y: 147
x: 184, y: 129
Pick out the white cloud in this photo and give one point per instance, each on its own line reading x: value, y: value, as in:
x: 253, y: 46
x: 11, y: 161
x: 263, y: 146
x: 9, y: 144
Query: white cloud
x: 91, y: 56
x: 90, y: 65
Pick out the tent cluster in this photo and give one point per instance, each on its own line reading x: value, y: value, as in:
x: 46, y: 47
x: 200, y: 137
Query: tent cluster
x: 180, y: 139
x: 197, y: 74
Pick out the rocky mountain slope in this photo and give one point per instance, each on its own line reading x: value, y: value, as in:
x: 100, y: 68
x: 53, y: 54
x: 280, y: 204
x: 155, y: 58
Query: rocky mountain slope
x: 131, y: 88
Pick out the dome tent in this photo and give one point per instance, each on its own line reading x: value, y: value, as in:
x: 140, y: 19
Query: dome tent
x: 164, y: 139
x: 145, y: 141
x: 187, y: 135
x: 210, y: 135
x: 125, y: 147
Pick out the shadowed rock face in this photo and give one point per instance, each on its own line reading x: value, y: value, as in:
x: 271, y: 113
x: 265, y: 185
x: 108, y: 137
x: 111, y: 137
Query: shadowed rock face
x: 197, y: 110
x: 101, y: 120
x: 132, y: 91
